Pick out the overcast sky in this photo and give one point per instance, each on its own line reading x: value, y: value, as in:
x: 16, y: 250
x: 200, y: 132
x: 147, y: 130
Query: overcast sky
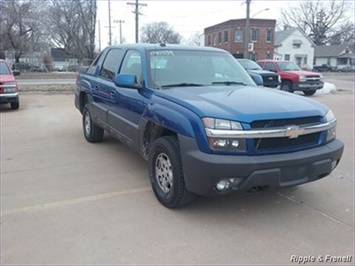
x: 187, y: 17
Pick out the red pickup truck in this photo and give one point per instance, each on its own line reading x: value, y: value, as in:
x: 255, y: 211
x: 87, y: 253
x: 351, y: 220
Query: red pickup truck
x: 293, y: 78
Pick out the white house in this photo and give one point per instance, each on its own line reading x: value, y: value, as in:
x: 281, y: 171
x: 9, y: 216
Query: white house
x: 334, y: 55
x: 293, y: 45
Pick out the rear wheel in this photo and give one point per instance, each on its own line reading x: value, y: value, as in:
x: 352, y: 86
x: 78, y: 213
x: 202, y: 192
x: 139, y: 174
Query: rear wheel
x: 15, y: 105
x: 92, y: 132
x: 166, y: 175
x: 309, y: 93
x: 287, y: 86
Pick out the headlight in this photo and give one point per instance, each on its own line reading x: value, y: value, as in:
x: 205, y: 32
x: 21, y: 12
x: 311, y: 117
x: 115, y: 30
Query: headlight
x: 329, y: 116
x: 218, y: 143
x: 331, y: 133
x: 302, y: 78
x: 279, y: 79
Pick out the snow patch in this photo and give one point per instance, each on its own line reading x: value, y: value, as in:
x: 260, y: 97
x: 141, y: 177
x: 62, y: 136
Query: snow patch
x: 327, y: 88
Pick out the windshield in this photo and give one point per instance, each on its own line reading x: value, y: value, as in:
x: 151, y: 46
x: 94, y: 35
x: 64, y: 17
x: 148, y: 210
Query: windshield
x: 4, y: 70
x: 249, y: 65
x: 170, y: 68
x: 287, y: 66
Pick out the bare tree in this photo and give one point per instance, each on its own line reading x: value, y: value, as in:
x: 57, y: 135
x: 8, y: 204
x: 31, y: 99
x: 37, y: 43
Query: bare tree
x: 72, y: 26
x: 20, y: 26
x: 316, y: 18
x: 343, y: 35
x: 159, y: 32
x: 195, y: 39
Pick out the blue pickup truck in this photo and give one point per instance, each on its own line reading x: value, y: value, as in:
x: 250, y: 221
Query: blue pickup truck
x: 202, y: 123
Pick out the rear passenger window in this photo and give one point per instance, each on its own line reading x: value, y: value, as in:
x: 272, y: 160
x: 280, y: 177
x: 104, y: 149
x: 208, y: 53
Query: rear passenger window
x: 92, y: 69
x: 110, y: 64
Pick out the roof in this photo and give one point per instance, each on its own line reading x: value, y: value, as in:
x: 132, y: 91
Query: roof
x: 331, y: 50
x: 280, y: 36
x: 59, y: 54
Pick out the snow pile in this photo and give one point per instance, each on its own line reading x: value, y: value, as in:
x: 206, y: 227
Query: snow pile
x: 327, y: 88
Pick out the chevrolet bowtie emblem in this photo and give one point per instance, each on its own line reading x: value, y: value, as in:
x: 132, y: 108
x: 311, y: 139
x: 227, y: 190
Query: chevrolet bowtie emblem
x: 294, y: 131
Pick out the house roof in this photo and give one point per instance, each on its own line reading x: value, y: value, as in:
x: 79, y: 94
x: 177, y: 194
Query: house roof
x: 331, y: 50
x: 59, y: 54
x: 281, y: 36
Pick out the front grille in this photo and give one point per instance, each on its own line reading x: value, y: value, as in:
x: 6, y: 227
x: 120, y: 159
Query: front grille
x: 275, y: 144
x: 285, y: 122
x: 278, y: 143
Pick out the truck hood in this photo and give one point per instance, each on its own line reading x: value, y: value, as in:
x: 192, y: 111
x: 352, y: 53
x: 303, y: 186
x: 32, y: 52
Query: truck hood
x: 302, y: 73
x: 243, y: 103
x: 262, y: 72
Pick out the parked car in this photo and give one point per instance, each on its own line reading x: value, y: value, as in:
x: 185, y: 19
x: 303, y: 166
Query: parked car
x: 293, y: 78
x: 8, y: 86
x: 270, y: 79
x: 324, y: 68
x: 201, y: 123
x: 346, y: 68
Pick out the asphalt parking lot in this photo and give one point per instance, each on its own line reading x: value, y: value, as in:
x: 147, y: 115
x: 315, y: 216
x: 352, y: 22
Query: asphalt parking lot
x: 65, y: 201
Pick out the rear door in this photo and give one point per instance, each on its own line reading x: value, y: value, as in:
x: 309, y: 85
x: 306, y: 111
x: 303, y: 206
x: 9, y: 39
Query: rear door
x: 103, y: 86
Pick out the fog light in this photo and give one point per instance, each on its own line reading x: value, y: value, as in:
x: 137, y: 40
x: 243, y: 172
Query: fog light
x: 223, y: 185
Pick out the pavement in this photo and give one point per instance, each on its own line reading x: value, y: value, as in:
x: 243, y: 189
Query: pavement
x: 65, y: 201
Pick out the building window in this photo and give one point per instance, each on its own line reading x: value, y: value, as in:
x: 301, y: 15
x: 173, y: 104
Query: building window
x: 269, y: 34
x: 267, y: 55
x: 296, y: 44
x: 238, y: 36
x: 225, y: 36
x: 209, y: 40
x: 214, y: 39
x: 287, y: 57
x: 254, y: 35
x: 219, y: 37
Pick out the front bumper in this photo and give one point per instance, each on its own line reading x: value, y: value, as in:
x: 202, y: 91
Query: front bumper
x: 203, y: 171
x: 308, y: 85
x: 9, y: 97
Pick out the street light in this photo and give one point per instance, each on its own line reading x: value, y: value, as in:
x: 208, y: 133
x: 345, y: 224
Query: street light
x: 257, y: 13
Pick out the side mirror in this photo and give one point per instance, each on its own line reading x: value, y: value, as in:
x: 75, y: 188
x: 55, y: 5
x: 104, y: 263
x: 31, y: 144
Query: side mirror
x: 126, y: 81
x: 257, y: 79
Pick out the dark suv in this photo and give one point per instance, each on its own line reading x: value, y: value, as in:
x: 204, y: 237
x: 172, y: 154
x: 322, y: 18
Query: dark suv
x: 270, y: 79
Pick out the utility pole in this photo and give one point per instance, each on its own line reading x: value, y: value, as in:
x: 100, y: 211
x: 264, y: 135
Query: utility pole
x: 109, y: 23
x: 247, y: 29
x: 120, y: 21
x: 136, y: 12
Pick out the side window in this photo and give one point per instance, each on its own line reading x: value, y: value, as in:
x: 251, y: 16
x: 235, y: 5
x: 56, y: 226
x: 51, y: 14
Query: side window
x: 91, y: 70
x: 270, y: 67
x: 132, y: 64
x: 110, y: 64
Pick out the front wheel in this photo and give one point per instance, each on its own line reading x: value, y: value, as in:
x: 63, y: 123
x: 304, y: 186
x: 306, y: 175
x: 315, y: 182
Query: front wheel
x: 287, y: 86
x: 92, y: 132
x: 166, y: 174
x: 309, y: 93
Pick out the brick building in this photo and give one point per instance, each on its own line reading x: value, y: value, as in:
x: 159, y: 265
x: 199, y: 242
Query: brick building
x: 230, y: 36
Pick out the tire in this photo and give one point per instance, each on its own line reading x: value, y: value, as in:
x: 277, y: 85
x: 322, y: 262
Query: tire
x: 309, y: 93
x: 166, y: 175
x: 15, y: 105
x: 92, y: 132
x: 286, y: 86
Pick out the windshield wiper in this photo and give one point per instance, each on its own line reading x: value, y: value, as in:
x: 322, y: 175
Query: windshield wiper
x: 228, y: 83
x: 184, y: 84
